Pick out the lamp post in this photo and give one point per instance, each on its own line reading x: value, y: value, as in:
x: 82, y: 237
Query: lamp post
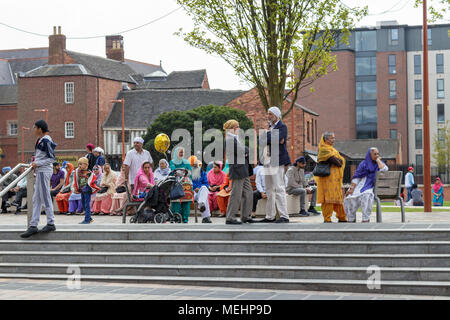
x: 426, y: 117
x: 123, y: 125
x: 23, y: 142
x: 43, y: 110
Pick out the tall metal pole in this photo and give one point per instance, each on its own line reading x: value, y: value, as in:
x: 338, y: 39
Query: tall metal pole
x: 123, y: 130
x: 426, y: 116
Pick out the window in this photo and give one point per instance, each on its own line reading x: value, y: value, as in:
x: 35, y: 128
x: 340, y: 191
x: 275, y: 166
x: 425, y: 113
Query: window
x: 417, y: 89
x: 366, y: 122
x: 117, y: 44
x: 127, y: 137
x: 393, y: 113
x: 12, y: 128
x: 393, y: 134
x: 430, y: 42
x: 439, y: 63
x: 418, y: 113
x: 366, y: 40
x: 393, y: 37
x: 69, y: 89
x: 440, y: 113
x: 366, y: 90
x: 69, y: 129
x: 417, y: 64
x: 440, y: 88
x: 366, y: 66
x: 392, y: 89
x: 440, y: 135
x: 419, y: 164
x: 418, y: 138
x: 392, y: 64
x: 308, y: 132
x: 312, y: 132
x: 315, y: 131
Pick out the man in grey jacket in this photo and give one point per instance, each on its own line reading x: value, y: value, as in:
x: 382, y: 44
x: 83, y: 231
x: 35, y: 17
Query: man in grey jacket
x: 44, y: 156
x: 297, y: 186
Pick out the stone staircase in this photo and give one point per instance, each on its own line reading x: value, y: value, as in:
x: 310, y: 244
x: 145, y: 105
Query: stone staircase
x: 413, y: 259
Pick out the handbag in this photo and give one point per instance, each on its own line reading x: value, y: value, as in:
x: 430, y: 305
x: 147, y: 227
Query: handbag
x: 322, y: 169
x: 103, y: 190
x: 176, y: 192
x: 121, y: 189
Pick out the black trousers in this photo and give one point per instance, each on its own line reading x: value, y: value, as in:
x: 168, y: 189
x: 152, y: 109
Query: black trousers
x: 256, y: 196
x: 6, y: 197
x: 22, y: 193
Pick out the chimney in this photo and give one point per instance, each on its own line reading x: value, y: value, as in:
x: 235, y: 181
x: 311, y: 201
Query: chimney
x: 56, y: 47
x: 114, y: 48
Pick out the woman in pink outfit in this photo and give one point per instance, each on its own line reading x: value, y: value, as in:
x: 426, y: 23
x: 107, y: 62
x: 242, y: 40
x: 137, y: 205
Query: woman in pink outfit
x: 103, y: 200
x: 216, y: 177
x: 144, y: 180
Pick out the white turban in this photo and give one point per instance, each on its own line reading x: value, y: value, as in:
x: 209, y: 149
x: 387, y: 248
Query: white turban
x: 138, y: 139
x: 276, y: 111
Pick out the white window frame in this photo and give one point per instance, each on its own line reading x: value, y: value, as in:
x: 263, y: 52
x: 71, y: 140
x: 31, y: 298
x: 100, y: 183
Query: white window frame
x: 69, y: 92
x: 9, y: 123
x: 66, y: 130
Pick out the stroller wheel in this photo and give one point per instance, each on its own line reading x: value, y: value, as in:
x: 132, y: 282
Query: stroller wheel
x: 177, y: 218
x: 159, y: 218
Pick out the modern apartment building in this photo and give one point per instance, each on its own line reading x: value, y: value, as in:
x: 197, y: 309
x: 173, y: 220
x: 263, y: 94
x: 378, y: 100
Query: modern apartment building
x: 372, y: 94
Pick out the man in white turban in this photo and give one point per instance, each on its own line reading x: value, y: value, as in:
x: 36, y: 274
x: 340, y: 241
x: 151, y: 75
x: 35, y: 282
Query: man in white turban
x: 135, y: 158
x: 274, y: 168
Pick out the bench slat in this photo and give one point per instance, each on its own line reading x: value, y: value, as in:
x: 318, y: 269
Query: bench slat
x: 388, y: 183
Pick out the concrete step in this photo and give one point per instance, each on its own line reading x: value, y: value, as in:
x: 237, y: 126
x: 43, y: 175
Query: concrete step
x: 230, y: 271
x: 434, y: 288
x: 241, y: 233
x: 228, y: 258
x: 366, y: 247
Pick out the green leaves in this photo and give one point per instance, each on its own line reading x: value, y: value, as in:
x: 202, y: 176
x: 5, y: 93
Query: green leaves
x: 266, y: 40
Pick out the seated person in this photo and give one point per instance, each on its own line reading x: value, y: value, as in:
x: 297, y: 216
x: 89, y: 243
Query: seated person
x: 103, y: 200
x: 200, y: 186
x: 361, y: 193
x: 62, y: 199
x: 216, y: 177
x: 57, y: 180
x: 162, y: 171
x: 223, y: 196
x: 21, y: 192
x: 144, y: 180
x: 10, y: 193
x: 260, y: 192
x: 120, y: 195
x: 296, y: 185
x: 438, y: 193
x: 416, y: 196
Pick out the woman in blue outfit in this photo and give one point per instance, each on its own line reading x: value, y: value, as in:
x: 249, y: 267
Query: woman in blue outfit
x: 438, y: 193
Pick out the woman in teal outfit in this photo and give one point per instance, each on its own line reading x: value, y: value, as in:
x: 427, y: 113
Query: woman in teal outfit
x: 178, y: 162
x: 438, y: 193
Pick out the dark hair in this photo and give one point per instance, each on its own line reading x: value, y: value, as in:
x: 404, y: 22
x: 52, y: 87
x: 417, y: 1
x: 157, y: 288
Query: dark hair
x: 414, y: 186
x: 41, y: 124
x: 55, y: 164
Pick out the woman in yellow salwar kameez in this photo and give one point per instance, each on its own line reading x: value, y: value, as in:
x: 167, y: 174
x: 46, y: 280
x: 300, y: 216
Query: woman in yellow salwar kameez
x: 329, y: 189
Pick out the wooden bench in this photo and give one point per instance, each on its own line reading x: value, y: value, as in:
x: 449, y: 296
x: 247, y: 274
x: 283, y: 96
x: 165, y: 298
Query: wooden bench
x: 388, y: 187
x: 129, y: 203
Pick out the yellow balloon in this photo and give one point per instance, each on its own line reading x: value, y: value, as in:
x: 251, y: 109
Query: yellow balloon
x: 162, y: 142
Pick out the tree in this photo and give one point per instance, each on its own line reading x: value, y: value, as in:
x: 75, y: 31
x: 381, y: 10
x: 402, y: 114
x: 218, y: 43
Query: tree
x: 441, y: 144
x: 436, y: 8
x: 212, y: 117
x: 265, y: 40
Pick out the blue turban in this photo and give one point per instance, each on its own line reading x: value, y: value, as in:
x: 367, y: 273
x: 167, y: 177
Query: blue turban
x: 6, y: 169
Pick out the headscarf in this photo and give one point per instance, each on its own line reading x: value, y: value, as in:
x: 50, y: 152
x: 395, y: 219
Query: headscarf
x: 69, y: 172
x: 99, y: 150
x: 149, y: 178
x: 139, y: 140
x: 161, y: 173
x: 368, y: 168
x: 6, y: 169
x: 326, y: 152
x: 437, y: 187
x: 64, y: 164
x: 176, y: 159
x: 216, y: 179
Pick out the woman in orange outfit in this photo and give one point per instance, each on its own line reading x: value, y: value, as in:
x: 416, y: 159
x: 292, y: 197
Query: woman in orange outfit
x: 224, y: 195
x: 62, y: 199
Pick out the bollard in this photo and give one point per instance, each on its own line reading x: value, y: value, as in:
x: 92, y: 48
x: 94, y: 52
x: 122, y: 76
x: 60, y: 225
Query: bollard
x: 30, y: 192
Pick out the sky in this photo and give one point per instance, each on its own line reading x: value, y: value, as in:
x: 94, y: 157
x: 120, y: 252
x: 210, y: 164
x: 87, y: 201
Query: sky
x: 153, y: 43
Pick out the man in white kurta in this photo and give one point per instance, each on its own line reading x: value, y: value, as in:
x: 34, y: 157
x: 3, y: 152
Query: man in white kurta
x: 360, y: 194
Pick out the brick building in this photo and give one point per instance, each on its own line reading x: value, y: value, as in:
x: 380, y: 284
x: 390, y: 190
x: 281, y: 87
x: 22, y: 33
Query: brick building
x: 77, y: 90
x: 305, y: 122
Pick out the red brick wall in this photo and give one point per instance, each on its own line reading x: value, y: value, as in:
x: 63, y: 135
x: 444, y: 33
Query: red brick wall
x: 401, y: 100
x: 205, y: 84
x: 8, y: 143
x: 250, y: 103
x: 92, y: 106
x: 334, y: 98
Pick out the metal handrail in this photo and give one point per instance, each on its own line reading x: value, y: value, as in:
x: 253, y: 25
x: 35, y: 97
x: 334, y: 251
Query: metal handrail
x: 17, y: 180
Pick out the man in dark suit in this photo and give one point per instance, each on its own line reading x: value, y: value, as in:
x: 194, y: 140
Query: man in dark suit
x: 274, y: 168
x: 241, y: 189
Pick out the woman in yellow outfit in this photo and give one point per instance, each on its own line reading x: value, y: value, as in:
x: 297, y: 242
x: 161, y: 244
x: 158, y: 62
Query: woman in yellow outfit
x: 329, y: 189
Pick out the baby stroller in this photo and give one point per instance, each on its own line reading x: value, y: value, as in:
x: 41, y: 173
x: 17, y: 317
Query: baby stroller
x: 156, y: 205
